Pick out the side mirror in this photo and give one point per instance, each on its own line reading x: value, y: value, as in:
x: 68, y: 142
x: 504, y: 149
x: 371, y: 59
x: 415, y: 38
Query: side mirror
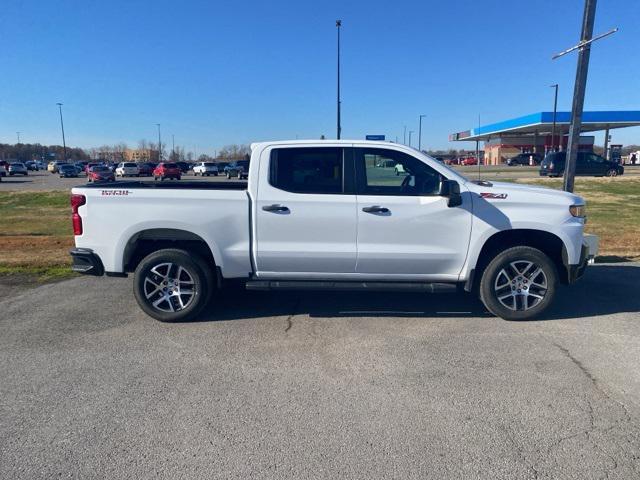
x: 451, y: 189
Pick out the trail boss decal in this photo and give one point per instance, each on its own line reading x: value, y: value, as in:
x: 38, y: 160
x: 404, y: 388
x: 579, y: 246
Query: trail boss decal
x: 115, y: 192
x: 493, y: 196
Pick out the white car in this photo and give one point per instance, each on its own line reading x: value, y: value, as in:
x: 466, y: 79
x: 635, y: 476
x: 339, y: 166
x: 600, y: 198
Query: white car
x: 205, y: 168
x: 18, y: 168
x: 321, y: 214
x: 127, y: 169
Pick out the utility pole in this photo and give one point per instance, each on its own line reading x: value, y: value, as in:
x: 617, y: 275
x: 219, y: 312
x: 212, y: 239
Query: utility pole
x: 584, y: 51
x: 420, y: 133
x: 173, y: 147
x: 410, y: 132
x: 555, y: 110
x: 404, y: 137
x: 339, y: 127
x: 159, y: 144
x: 64, y: 143
x: 18, y: 133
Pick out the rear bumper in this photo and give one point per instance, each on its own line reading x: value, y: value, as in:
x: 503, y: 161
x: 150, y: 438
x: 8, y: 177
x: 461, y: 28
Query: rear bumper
x: 86, y: 262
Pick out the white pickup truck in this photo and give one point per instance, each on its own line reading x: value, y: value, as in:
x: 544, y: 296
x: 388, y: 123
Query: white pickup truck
x: 333, y: 215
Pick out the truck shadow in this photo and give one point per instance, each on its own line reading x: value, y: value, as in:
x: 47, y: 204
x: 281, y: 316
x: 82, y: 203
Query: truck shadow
x: 604, y: 290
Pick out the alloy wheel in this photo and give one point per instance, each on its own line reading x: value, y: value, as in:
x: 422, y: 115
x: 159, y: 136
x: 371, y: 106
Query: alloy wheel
x: 521, y: 285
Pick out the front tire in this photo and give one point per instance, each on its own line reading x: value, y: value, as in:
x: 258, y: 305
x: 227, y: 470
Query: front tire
x: 612, y: 173
x: 519, y: 283
x: 173, y: 285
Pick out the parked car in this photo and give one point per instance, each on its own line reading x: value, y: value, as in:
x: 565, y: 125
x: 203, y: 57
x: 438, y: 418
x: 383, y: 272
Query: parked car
x: 89, y: 166
x: 31, y: 165
x: 80, y: 166
x: 146, y: 169
x: 53, y: 166
x: 399, y: 169
x: 127, y: 169
x: 524, y: 159
x: 166, y: 170
x: 68, y: 171
x: 100, y: 173
x: 4, y: 167
x: 469, y: 161
x: 205, y: 168
x: 17, y: 168
x: 238, y: 169
x: 184, y: 166
x: 319, y: 215
x: 587, y: 164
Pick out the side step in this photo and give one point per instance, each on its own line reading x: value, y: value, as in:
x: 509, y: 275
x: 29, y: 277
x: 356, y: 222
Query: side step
x: 351, y: 286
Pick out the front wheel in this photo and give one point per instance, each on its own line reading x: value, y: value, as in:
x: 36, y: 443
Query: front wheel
x: 173, y: 285
x: 612, y: 173
x: 519, y: 283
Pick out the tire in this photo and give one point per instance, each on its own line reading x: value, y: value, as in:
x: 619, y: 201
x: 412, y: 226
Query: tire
x: 228, y: 176
x: 215, y: 174
x: 519, y: 283
x: 196, y: 281
x: 612, y: 173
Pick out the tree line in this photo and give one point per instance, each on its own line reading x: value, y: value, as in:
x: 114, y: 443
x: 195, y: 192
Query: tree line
x: 116, y: 153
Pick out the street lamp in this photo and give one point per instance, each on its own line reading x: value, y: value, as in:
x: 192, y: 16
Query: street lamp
x: 173, y: 147
x: 18, y: 133
x: 159, y: 144
x: 555, y: 109
x: 410, y: 132
x: 339, y: 127
x: 64, y: 143
x: 420, y: 133
x: 404, y: 136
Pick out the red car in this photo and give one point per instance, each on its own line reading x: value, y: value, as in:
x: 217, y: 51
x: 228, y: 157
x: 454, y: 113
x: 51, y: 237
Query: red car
x: 100, y: 173
x: 167, y: 170
x: 89, y: 166
x: 469, y: 161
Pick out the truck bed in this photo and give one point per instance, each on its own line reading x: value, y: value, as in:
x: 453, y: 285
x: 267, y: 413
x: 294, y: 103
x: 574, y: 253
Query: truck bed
x: 168, y: 184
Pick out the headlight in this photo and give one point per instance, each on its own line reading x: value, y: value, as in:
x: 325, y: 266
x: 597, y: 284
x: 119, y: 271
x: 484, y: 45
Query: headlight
x: 578, y: 210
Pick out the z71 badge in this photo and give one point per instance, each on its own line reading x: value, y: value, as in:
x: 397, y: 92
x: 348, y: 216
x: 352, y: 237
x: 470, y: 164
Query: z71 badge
x: 494, y: 196
x: 115, y: 192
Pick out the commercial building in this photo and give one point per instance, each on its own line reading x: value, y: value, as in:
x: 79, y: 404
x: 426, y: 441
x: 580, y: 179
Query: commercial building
x: 536, y: 133
x: 140, y: 155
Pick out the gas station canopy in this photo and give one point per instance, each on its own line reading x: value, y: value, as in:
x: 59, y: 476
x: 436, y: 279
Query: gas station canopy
x: 541, y: 124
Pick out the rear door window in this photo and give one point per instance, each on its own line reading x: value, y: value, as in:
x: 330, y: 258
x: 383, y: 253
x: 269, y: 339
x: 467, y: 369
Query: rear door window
x: 307, y: 170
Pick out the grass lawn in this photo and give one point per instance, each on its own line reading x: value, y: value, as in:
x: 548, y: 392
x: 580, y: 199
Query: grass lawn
x: 36, y: 235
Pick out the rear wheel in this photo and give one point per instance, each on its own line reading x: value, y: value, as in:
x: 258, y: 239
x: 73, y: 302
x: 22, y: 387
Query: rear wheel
x: 612, y: 173
x: 519, y: 283
x: 173, y: 285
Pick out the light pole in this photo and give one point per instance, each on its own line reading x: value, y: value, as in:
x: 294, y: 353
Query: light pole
x: 410, y: 132
x: 173, y: 147
x: 404, y: 136
x: 18, y: 133
x: 159, y: 144
x: 555, y: 109
x: 420, y: 133
x: 64, y: 143
x: 339, y: 127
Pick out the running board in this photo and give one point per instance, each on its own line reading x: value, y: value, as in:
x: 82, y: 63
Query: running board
x: 351, y: 286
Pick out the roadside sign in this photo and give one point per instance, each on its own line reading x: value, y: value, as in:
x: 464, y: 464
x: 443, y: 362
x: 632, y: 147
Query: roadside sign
x: 375, y: 137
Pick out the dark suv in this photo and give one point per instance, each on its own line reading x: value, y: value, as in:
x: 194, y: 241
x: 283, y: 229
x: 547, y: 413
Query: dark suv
x: 523, y: 159
x: 587, y: 164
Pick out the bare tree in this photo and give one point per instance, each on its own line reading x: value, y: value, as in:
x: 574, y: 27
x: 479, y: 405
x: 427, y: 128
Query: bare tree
x: 234, y: 152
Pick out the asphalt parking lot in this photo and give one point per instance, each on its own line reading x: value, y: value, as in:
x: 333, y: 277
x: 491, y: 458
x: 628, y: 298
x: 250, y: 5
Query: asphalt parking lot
x: 321, y: 385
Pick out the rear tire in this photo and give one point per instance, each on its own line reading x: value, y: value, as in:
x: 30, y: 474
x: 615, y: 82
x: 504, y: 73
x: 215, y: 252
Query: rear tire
x: 519, y: 283
x: 173, y: 285
x: 612, y: 173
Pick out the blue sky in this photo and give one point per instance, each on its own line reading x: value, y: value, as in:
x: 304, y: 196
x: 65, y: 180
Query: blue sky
x: 219, y: 72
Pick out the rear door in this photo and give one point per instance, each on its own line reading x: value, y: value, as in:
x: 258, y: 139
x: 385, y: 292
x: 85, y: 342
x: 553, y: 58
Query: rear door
x: 306, y: 213
x: 405, y: 229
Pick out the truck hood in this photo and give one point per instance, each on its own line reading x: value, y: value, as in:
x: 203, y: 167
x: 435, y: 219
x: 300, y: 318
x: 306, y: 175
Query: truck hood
x: 515, y: 192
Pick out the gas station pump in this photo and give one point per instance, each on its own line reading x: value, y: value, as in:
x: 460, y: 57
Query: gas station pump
x: 615, y: 153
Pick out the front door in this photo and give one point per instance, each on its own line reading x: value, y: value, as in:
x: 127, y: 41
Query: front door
x: 405, y: 229
x: 306, y: 214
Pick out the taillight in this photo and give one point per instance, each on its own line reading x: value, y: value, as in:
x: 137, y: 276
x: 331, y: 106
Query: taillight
x: 76, y: 202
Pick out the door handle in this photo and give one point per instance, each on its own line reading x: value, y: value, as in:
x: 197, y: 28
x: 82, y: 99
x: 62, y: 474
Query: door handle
x: 375, y: 209
x: 275, y: 208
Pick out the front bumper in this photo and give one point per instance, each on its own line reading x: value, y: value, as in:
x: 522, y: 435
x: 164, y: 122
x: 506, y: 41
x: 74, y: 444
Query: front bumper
x: 86, y: 262
x: 588, y: 252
